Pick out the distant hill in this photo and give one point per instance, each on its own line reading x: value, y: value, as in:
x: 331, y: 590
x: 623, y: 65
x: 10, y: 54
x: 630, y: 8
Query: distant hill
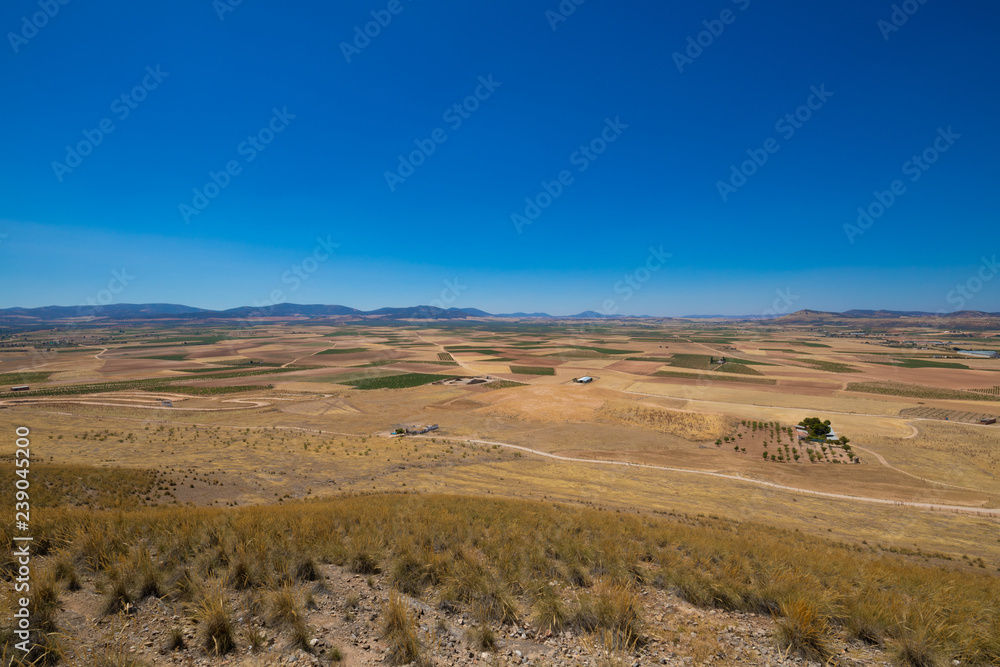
x: 124, y: 312
x: 918, y: 316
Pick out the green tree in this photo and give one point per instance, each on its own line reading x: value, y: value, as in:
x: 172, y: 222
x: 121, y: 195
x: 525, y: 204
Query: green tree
x: 816, y: 428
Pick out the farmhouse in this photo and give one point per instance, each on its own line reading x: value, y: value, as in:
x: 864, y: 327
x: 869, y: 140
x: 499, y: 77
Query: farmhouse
x: 584, y: 380
x: 21, y: 387
x: 988, y: 420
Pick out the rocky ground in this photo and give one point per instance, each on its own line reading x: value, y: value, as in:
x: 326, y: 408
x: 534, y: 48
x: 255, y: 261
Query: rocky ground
x: 344, y: 619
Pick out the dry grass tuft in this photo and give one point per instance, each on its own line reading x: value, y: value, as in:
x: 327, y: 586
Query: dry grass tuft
x: 482, y: 638
x: 217, y: 629
x: 399, y: 630
x: 803, y: 629
x: 285, y: 607
x: 549, y: 611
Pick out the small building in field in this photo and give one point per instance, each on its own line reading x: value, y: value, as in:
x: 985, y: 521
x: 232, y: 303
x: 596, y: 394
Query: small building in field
x: 20, y: 387
x: 988, y: 420
x: 584, y: 380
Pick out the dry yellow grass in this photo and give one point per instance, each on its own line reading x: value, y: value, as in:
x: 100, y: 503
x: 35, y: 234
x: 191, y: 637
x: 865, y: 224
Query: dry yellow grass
x: 687, y: 425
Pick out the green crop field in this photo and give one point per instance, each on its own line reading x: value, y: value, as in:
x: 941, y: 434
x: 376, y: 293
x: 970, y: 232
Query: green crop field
x: 747, y: 362
x: 701, y: 362
x: 344, y: 350
x: 24, y: 378
x: 916, y: 391
x: 715, y: 378
x: 830, y: 366
x: 214, y: 391
x: 662, y: 360
x: 742, y: 369
x: 922, y: 363
x: 432, y: 362
x: 395, y: 381
x: 600, y: 350
x: 168, y: 357
x: 533, y: 370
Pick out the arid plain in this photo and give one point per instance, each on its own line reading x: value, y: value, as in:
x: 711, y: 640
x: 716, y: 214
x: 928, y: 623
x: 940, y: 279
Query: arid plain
x: 676, y: 419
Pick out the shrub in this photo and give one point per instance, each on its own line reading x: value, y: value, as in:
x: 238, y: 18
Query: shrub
x: 284, y: 607
x: 803, y: 629
x: 307, y: 570
x: 482, y: 638
x: 175, y: 640
x: 550, y: 612
x: 409, y: 574
x: 217, y: 630
x: 147, y: 573
x: 116, y: 596
x: 617, y: 610
x: 362, y: 559
x: 399, y: 631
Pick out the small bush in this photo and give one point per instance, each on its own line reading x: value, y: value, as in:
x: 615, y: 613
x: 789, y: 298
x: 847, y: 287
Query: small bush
x: 617, y: 610
x: 175, y: 640
x: 409, y: 574
x: 284, y: 607
x: 147, y: 573
x: 255, y: 639
x: 482, y: 638
x: 399, y: 630
x: 307, y: 570
x: 217, y: 630
x: 363, y: 559
x: 116, y: 597
x: 550, y: 612
x: 803, y: 629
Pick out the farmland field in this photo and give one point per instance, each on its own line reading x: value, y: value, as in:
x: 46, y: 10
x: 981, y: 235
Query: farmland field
x: 259, y: 424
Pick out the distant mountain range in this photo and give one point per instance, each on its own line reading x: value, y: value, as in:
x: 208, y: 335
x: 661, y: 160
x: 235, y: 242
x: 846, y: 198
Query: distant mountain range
x: 168, y: 311
x: 819, y: 316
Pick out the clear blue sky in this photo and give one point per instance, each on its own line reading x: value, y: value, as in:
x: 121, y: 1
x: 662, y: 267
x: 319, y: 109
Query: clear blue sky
x: 211, y: 82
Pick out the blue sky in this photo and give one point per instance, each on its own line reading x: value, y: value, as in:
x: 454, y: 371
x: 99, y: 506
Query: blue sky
x: 642, y: 138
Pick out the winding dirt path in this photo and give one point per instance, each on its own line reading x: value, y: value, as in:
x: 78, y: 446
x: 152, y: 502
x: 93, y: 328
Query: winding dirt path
x: 841, y: 496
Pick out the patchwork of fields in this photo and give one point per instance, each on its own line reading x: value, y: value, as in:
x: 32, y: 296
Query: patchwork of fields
x: 678, y: 418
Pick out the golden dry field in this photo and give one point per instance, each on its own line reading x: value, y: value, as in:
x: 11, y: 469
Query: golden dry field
x: 679, y: 420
